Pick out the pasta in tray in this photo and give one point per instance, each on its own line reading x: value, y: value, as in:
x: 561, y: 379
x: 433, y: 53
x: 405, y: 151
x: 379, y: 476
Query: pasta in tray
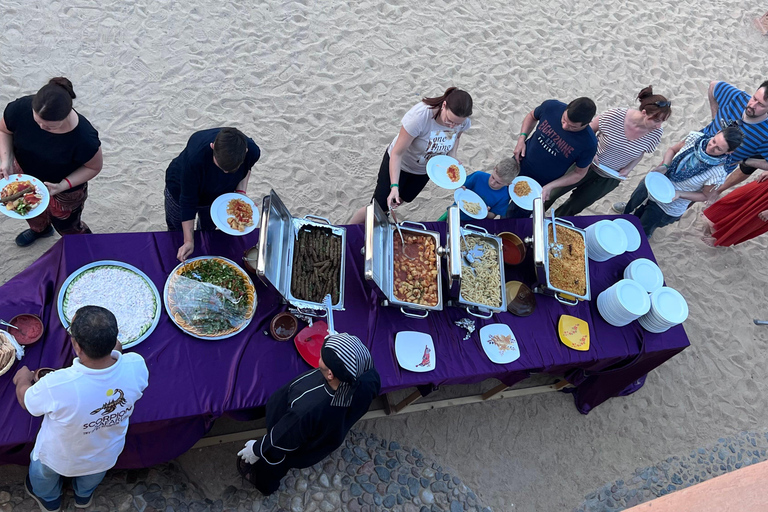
x: 483, y: 286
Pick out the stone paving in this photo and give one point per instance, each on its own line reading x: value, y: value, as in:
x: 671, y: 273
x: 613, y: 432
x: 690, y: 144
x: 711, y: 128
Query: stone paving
x: 728, y: 454
x: 366, y: 474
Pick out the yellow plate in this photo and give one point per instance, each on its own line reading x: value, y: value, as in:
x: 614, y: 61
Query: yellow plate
x: 573, y: 332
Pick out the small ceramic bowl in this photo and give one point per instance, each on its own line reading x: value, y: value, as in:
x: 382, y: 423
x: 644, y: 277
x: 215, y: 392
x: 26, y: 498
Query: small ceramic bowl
x: 513, y: 248
x: 283, y: 326
x: 30, y: 330
x: 42, y: 372
x: 250, y: 256
x: 520, y: 299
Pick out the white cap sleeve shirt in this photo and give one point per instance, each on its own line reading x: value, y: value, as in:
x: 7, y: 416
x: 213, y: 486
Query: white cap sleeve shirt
x: 86, y: 414
x: 430, y: 138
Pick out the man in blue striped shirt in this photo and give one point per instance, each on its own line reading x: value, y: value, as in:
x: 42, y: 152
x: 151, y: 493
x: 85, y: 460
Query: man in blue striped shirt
x: 731, y: 104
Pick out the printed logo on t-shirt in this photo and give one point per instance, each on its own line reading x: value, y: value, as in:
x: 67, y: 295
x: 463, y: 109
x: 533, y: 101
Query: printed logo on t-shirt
x: 551, y: 141
x: 110, y: 415
x: 440, y: 143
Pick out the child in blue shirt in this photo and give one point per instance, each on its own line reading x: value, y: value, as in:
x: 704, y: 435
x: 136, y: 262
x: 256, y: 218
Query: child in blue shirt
x: 492, y: 188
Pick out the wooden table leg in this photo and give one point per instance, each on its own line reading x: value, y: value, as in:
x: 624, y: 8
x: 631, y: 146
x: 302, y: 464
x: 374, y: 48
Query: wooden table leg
x: 498, y: 389
x: 406, y: 401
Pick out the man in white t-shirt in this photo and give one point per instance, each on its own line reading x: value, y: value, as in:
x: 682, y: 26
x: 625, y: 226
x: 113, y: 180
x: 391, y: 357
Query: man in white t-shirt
x: 85, y: 410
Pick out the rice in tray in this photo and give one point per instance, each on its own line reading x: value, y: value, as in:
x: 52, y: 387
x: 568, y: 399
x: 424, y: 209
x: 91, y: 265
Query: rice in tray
x: 568, y: 271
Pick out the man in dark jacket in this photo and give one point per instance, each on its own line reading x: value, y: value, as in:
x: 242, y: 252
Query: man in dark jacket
x: 309, y: 418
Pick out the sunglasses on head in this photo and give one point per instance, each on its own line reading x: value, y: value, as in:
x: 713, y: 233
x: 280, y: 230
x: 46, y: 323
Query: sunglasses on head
x: 662, y: 104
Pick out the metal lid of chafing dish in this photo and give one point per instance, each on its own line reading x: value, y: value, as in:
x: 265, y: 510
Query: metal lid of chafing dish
x: 539, y: 239
x: 377, y: 246
x: 275, y: 235
x: 453, y: 246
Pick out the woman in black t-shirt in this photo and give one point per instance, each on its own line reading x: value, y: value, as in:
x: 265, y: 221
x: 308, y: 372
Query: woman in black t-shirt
x: 43, y: 136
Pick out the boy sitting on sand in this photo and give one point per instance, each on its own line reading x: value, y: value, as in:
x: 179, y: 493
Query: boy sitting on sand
x: 492, y: 188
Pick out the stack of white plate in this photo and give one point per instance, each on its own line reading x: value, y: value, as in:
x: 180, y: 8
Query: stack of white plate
x: 645, y: 272
x: 623, y: 303
x: 605, y: 240
x: 668, y: 308
x: 633, y: 235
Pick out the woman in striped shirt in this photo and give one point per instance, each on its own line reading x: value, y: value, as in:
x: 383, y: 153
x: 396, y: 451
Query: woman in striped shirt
x: 624, y: 136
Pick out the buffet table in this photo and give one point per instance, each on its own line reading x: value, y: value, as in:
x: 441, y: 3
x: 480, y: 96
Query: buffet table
x: 192, y: 382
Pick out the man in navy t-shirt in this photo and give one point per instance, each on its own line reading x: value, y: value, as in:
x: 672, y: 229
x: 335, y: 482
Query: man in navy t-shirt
x: 727, y: 104
x: 562, y: 138
x: 215, y: 162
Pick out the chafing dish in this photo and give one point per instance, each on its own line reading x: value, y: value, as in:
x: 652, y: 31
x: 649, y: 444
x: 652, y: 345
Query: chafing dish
x: 277, y: 236
x: 541, y: 254
x: 455, y: 267
x: 379, y: 259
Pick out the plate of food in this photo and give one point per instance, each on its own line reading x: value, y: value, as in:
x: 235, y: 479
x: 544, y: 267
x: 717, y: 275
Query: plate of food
x: 119, y: 287
x: 470, y: 203
x: 415, y: 351
x: 8, y: 352
x: 23, y: 196
x: 523, y: 190
x: 446, y: 172
x: 499, y: 343
x: 210, y: 297
x: 234, y: 213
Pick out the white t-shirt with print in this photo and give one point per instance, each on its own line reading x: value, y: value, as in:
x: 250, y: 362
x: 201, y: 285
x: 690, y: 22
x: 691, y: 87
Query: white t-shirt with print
x: 429, y: 138
x: 715, y: 175
x: 86, y: 414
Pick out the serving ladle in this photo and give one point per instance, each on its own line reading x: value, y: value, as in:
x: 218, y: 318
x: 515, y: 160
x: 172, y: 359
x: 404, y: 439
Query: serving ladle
x: 402, y: 239
x: 3, y: 322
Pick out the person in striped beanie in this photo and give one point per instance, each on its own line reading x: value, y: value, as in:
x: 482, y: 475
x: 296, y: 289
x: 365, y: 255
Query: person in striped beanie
x: 309, y: 418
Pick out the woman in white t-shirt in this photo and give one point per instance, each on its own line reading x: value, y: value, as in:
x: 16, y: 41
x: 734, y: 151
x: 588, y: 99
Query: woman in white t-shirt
x: 432, y: 127
x: 624, y: 136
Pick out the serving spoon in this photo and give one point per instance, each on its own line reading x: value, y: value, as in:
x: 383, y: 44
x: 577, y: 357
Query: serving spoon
x: 402, y: 240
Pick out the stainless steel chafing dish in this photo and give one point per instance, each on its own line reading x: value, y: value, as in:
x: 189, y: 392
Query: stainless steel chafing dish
x: 455, y: 267
x: 274, y: 266
x: 541, y: 254
x: 379, y: 259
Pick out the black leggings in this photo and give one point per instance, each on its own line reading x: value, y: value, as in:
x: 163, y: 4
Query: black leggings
x: 411, y: 185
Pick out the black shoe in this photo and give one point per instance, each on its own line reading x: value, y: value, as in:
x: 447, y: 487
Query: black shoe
x: 83, y: 502
x: 28, y: 237
x: 45, y: 506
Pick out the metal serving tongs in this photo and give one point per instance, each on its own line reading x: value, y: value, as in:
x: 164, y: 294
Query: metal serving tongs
x: 3, y: 322
x: 328, y: 309
x: 402, y: 240
x: 555, y: 249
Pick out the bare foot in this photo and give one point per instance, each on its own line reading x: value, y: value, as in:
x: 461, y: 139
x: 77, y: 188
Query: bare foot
x: 709, y: 240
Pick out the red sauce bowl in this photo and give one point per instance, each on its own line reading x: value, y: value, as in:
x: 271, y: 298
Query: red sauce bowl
x: 513, y: 248
x: 30, y: 328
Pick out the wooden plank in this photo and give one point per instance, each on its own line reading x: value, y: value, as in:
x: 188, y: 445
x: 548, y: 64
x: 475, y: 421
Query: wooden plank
x: 382, y: 413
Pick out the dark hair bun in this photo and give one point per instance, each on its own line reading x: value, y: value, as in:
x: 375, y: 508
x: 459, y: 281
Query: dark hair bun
x: 645, y: 93
x: 65, y: 83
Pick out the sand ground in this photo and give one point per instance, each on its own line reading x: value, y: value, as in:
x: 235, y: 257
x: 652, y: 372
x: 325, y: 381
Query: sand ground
x: 321, y: 87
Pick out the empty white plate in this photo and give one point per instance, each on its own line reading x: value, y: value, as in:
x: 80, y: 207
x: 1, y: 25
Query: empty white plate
x: 659, y: 187
x: 610, y: 173
x: 646, y: 273
x: 631, y: 232
x: 415, y: 351
x: 670, y: 305
x: 499, y: 343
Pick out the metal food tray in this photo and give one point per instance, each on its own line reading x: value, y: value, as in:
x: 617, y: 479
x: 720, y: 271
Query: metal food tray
x: 379, y: 259
x: 111, y: 263
x: 541, y: 257
x: 277, y: 236
x: 209, y: 338
x: 456, y: 268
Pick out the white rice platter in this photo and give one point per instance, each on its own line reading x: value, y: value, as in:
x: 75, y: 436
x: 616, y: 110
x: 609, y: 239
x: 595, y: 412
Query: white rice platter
x: 119, y: 287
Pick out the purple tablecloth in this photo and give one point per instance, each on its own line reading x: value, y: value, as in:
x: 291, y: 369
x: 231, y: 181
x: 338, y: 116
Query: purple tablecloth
x: 192, y: 382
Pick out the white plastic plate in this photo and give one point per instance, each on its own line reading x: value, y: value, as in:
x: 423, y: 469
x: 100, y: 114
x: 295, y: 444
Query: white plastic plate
x: 219, y: 213
x: 437, y: 170
x: 525, y: 202
x: 494, y: 353
x: 470, y: 196
x: 415, y: 351
x: 659, y: 187
x: 40, y: 188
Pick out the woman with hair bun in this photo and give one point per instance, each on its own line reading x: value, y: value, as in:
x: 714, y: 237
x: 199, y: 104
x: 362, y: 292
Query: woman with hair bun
x: 624, y: 136
x: 431, y: 127
x: 43, y: 136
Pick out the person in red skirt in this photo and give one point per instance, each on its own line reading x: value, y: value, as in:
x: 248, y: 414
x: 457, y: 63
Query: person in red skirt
x: 740, y: 216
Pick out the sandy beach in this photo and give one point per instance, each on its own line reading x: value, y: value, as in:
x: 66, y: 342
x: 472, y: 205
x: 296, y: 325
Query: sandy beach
x: 321, y: 87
